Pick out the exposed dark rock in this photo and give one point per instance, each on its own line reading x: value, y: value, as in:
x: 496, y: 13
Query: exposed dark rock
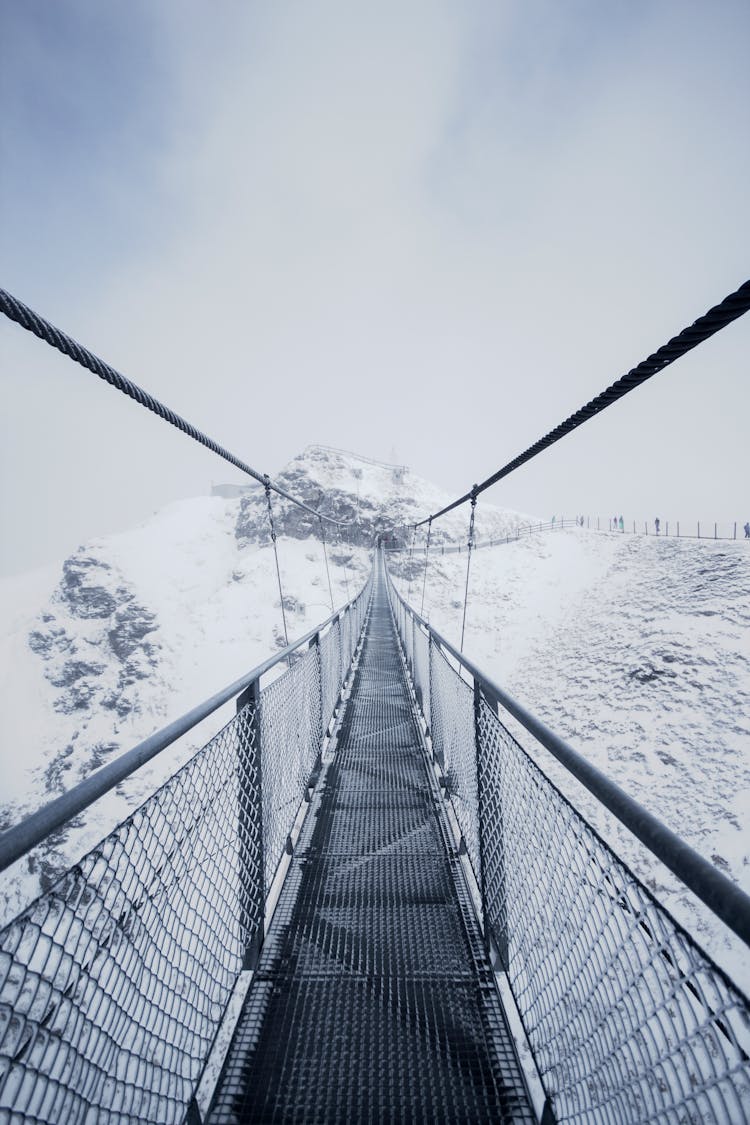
x: 648, y: 673
x: 50, y: 641
x: 131, y: 624
x: 118, y: 701
x: 100, y: 752
x: 75, y: 698
x: 72, y: 671
x: 84, y: 598
x: 292, y: 604
x: 57, y: 767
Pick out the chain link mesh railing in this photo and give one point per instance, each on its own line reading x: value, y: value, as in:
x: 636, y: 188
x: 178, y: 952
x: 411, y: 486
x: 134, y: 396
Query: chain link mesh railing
x: 628, y: 1019
x: 113, y: 984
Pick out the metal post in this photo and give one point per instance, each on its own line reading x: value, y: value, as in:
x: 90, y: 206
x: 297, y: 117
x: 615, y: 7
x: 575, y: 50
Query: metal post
x: 714, y: 531
x: 735, y: 529
x: 250, y: 825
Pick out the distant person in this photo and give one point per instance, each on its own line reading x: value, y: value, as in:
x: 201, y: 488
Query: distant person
x: 747, y: 530
x: 553, y: 521
x: 622, y: 523
x: 657, y: 525
x: 614, y: 523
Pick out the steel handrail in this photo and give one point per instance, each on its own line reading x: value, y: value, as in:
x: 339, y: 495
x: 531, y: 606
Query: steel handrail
x: 17, y: 841
x: 715, y: 890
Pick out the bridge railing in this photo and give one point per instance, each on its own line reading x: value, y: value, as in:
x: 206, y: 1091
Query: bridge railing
x: 627, y: 1018
x: 113, y: 984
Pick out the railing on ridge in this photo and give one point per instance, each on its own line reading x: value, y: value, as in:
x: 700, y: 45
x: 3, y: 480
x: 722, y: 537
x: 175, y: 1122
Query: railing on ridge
x: 627, y: 1018
x: 114, y: 983
x: 667, y: 530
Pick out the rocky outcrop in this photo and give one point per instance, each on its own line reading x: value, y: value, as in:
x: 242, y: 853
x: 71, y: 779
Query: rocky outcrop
x: 95, y: 647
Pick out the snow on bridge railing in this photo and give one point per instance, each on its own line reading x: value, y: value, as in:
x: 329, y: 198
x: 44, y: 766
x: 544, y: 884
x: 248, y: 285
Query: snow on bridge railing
x: 627, y: 1018
x: 114, y: 983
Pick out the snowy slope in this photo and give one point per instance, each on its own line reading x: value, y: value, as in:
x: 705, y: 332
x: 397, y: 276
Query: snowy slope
x: 133, y: 630
x: 637, y: 650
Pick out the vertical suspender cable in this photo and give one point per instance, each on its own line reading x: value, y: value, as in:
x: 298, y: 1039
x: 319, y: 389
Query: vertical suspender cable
x: 468, y: 559
x: 276, y: 556
x: 346, y: 566
x: 411, y: 560
x: 325, y: 556
x: 426, y: 556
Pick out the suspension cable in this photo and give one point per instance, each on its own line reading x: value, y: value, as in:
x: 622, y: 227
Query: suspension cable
x: 411, y: 559
x: 468, y: 559
x: 346, y: 566
x: 706, y: 326
x: 15, y: 310
x: 267, y: 486
x: 426, y: 556
x: 328, y: 573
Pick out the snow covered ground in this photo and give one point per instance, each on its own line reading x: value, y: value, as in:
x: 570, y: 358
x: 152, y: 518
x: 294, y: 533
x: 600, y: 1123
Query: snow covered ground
x: 637, y: 650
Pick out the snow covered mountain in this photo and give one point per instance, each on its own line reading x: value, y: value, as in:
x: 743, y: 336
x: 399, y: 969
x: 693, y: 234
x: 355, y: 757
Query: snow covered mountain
x: 637, y: 650
x: 135, y: 629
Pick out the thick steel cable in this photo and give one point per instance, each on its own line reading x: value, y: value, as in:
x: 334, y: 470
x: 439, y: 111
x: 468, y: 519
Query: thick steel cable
x: 468, y: 560
x: 16, y: 310
x: 426, y: 557
x: 713, y: 321
x: 325, y: 556
x: 276, y: 556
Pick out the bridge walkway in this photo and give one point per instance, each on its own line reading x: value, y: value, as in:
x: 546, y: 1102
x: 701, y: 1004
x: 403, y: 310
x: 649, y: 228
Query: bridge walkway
x: 373, y: 999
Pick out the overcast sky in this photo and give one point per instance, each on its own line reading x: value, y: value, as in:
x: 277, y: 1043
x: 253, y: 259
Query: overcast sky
x: 421, y: 231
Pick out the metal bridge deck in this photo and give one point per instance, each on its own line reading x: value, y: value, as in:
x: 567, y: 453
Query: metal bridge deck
x: 373, y: 1000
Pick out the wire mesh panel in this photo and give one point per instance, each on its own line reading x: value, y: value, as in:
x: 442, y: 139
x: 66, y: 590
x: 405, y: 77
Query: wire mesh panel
x: 628, y: 1019
x: 291, y: 736
x: 330, y: 663
x: 454, y: 744
x: 346, y: 639
x: 112, y: 985
x: 421, y: 672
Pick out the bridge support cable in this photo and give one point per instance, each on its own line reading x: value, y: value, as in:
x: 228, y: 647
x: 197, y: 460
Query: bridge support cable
x: 468, y: 560
x: 346, y: 564
x: 276, y: 557
x: 718, y: 317
x: 325, y: 557
x: 426, y: 557
x: 411, y: 558
x: 21, y: 314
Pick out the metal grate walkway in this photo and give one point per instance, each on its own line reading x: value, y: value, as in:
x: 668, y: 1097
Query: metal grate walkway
x: 373, y: 1000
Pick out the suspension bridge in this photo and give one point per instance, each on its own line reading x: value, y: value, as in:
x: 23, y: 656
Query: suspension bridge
x: 362, y: 900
